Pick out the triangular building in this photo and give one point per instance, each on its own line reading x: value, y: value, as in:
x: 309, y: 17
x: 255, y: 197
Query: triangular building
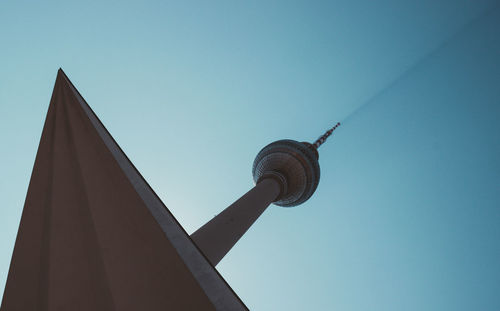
x: 94, y: 235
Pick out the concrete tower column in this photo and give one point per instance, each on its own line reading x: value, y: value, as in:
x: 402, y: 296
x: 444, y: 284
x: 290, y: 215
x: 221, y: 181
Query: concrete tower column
x: 220, y: 234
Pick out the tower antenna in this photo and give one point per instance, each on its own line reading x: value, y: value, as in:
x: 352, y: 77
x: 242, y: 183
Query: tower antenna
x: 323, y: 137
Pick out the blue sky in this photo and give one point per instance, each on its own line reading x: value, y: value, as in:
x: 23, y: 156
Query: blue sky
x: 407, y: 213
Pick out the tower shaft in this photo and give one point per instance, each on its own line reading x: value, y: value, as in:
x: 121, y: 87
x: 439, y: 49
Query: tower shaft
x: 216, y: 238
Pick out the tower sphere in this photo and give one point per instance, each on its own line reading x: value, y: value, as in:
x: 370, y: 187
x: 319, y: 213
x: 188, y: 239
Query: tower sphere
x: 294, y: 164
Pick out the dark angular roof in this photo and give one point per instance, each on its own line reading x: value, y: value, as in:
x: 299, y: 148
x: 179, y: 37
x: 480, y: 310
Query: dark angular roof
x: 94, y: 235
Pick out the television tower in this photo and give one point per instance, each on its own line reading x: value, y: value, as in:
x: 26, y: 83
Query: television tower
x: 286, y: 173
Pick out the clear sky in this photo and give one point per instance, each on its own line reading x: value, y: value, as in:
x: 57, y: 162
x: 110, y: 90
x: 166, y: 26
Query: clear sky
x: 407, y: 213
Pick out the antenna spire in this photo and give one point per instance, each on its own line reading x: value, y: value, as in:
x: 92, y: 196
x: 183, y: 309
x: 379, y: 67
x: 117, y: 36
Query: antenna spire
x: 323, y: 137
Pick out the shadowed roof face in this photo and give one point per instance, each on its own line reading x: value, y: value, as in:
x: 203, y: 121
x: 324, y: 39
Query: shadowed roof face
x: 94, y: 236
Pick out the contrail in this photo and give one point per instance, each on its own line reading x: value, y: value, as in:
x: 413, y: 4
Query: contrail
x: 418, y: 63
